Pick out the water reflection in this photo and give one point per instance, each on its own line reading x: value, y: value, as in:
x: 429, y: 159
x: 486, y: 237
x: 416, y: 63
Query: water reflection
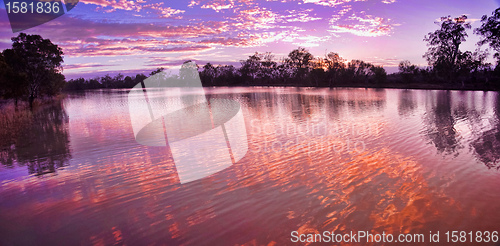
x: 119, y: 192
x: 453, y: 120
x: 440, y: 123
x: 407, y: 103
x: 44, y: 146
x: 487, y: 144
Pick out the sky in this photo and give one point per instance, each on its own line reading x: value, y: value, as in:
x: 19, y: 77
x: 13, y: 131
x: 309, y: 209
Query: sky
x: 109, y: 37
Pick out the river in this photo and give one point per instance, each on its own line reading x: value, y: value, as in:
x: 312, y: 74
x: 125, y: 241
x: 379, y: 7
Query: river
x: 336, y: 160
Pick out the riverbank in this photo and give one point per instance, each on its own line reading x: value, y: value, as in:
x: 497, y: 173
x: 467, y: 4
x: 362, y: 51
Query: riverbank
x: 393, y: 82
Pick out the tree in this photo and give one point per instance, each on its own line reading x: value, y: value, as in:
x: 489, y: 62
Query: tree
x: 207, y: 75
x: 227, y: 75
x: 408, y: 71
x: 268, y: 66
x: 300, y: 58
x: 333, y: 61
x: 359, y: 71
x: 335, y: 67
x: 12, y: 84
x: 40, y: 61
x: 471, y: 65
x: 444, y: 44
x: 490, y: 32
x: 472, y: 62
x: 379, y: 73
x: 251, y: 67
x: 405, y: 67
x: 106, y: 81
x: 189, y: 73
x: 300, y: 61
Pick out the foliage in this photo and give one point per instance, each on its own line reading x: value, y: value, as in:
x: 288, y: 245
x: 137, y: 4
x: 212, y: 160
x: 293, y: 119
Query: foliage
x: 405, y: 67
x: 444, y: 44
x: 39, y: 62
x: 118, y: 81
x: 408, y: 71
x: 379, y: 74
x: 299, y: 61
x: 490, y: 31
x: 12, y: 84
x: 335, y: 66
x: 299, y: 68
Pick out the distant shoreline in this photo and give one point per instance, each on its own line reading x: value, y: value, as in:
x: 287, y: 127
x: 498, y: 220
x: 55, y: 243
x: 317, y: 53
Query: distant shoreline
x: 402, y: 87
x: 388, y: 86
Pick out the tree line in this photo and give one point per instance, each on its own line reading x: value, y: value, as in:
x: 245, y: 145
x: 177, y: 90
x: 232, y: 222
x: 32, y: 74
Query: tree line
x: 105, y: 82
x: 300, y: 68
x: 448, y: 66
x: 32, y: 68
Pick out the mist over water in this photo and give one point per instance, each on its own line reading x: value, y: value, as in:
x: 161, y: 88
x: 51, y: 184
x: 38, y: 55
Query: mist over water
x: 341, y: 160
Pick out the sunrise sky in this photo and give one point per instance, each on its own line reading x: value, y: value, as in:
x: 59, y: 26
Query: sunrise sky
x: 100, y: 37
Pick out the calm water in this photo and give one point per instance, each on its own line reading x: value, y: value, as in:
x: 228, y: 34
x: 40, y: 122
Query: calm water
x: 341, y: 160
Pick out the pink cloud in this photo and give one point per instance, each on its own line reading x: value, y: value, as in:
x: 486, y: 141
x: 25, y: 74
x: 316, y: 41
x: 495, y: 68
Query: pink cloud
x: 254, y: 19
x: 304, y: 40
x: 84, y: 65
x: 137, y: 6
x: 120, y: 4
x: 113, y: 47
x: 74, y: 29
x: 227, y: 41
x: 164, y: 12
x: 329, y: 3
x: 219, y: 5
x: 299, y: 16
x: 367, y: 26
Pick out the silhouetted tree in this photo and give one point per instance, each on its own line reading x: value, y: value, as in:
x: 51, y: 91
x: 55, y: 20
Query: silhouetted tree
x: 335, y: 67
x: 268, y: 68
x: 40, y: 61
x: 301, y: 68
x: 208, y: 74
x: 470, y: 64
x: 12, y: 84
x: 118, y: 81
x: 358, y: 71
x: 490, y: 32
x: 405, y: 67
x: 444, y: 44
x: 227, y: 75
x: 408, y: 71
x: 379, y: 74
x: 300, y: 62
x: 250, y: 68
x: 317, y: 74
